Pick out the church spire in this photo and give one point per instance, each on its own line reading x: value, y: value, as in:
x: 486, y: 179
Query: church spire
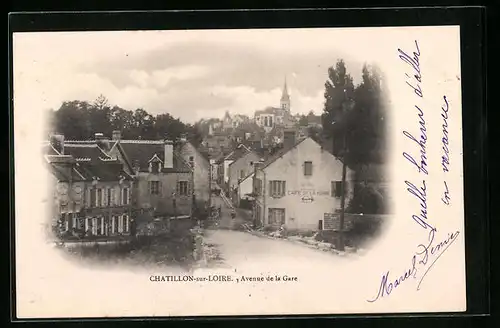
x: 285, y: 97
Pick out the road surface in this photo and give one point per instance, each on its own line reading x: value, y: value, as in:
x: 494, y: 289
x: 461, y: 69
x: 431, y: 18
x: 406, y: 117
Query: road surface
x: 243, y: 251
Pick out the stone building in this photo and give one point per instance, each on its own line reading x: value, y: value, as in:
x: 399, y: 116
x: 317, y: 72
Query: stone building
x: 92, y: 195
x: 299, y: 186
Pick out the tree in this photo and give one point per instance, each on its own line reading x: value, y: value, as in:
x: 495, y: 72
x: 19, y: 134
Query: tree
x: 366, y: 122
x: 303, y: 120
x: 339, y: 100
x: 168, y: 127
x: 73, y: 120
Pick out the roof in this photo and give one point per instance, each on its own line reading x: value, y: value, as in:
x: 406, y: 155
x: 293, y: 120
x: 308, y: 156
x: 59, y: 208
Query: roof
x: 270, y: 110
x: 104, y: 171
x: 281, y: 152
x: 66, y: 167
x: 201, y: 150
x: 240, y: 150
x: 86, y: 151
x: 139, y: 152
x: 246, y: 177
x: 48, y: 149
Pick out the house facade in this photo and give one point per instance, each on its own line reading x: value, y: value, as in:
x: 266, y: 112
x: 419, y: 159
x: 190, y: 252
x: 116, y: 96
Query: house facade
x: 164, y: 185
x: 299, y: 186
x: 201, y: 171
x: 239, y: 169
x: 92, y: 194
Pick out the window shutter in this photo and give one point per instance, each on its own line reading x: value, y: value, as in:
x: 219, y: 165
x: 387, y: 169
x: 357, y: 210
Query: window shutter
x: 345, y: 187
x: 177, y: 187
x: 159, y: 188
x: 283, y: 192
x: 271, y: 191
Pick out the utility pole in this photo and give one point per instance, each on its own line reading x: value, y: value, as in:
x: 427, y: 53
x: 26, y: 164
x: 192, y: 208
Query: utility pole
x: 341, y: 239
x: 341, y: 245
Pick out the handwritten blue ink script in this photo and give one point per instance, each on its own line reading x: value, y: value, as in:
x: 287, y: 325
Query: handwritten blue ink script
x: 427, y: 253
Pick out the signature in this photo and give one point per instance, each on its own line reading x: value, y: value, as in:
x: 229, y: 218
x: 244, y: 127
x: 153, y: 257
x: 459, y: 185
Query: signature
x: 424, y: 258
x: 429, y: 250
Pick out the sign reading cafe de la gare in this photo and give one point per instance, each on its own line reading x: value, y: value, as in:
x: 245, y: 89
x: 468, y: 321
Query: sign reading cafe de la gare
x: 308, y: 192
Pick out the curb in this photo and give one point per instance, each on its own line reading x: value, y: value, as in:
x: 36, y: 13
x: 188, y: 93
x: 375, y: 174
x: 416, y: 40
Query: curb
x: 314, y: 245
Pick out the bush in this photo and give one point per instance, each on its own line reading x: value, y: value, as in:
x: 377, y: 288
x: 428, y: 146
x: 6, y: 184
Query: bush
x: 367, y: 200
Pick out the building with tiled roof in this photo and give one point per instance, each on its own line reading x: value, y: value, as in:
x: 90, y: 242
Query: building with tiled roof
x: 164, y: 181
x: 299, y: 186
x: 91, y: 195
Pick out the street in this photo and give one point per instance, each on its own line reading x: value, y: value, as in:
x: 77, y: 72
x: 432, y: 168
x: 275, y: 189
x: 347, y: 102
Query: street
x: 243, y: 250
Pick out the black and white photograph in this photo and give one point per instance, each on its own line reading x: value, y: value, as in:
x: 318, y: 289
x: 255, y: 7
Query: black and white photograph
x: 238, y: 172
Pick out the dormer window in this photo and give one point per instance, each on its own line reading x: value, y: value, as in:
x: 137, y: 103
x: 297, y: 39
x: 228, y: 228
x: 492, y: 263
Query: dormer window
x: 155, y: 167
x: 155, y: 164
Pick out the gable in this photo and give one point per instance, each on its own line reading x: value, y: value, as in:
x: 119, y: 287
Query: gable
x: 305, y: 149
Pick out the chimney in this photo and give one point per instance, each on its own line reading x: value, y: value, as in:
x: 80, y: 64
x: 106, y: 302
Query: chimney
x: 117, y: 135
x: 289, y: 138
x: 57, y: 141
x: 102, y: 141
x: 168, y: 162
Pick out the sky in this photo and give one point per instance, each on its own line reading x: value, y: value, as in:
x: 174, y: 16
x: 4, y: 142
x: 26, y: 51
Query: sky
x: 189, y: 74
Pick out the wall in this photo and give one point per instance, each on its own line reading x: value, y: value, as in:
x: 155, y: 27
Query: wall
x: 201, y: 172
x: 226, y: 170
x: 164, y: 201
x: 245, y: 164
x: 307, y: 198
x: 245, y: 187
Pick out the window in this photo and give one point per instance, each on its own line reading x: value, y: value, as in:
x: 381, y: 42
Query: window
x: 308, y: 168
x: 276, y: 216
x: 154, y: 187
x: 155, y: 167
x: 337, y: 188
x: 191, y: 161
x: 94, y: 226
x: 93, y: 197
x: 258, y: 186
x: 109, y: 198
x: 182, y: 188
x: 99, y: 198
x: 113, y: 225
x: 74, y: 223
x: 242, y: 174
x: 103, y: 231
x: 277, y: 188
x: 120, y: 224
x: 125, y: 196
x: 125, y: 223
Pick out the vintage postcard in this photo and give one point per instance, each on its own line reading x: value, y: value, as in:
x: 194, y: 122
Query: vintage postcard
x: 238, y: 172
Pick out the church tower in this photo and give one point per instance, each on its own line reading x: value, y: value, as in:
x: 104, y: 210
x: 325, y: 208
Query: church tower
x: 285, y: 99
